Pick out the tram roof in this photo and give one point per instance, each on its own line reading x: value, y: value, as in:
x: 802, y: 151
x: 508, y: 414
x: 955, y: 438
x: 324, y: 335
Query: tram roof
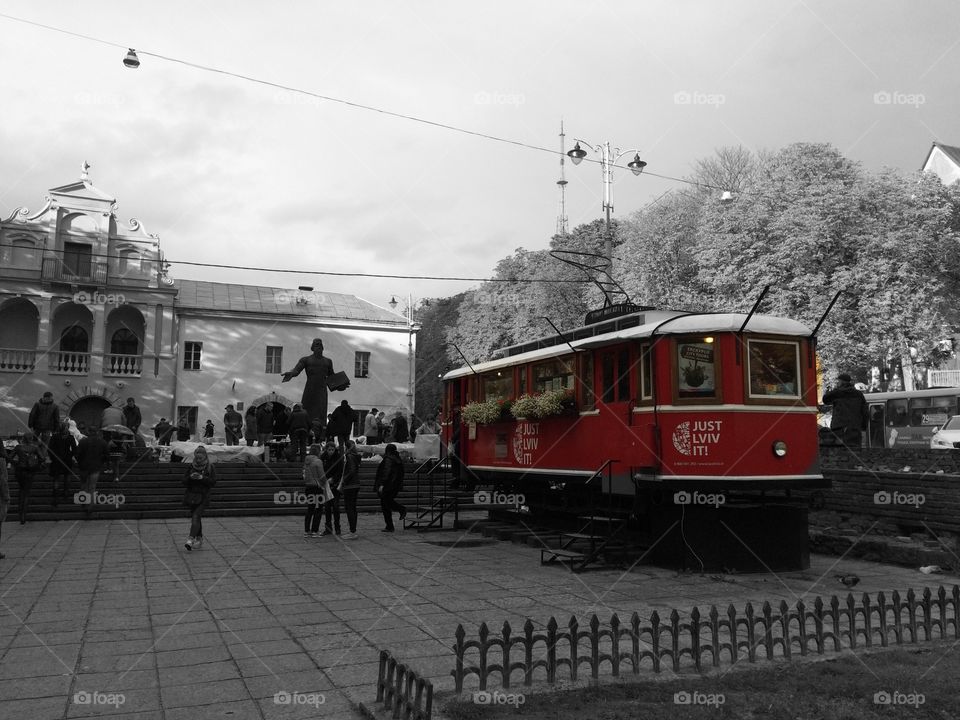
x: 632, y: 327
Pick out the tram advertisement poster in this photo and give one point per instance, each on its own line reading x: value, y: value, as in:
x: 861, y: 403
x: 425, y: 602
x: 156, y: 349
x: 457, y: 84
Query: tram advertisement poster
x: 695, y: 367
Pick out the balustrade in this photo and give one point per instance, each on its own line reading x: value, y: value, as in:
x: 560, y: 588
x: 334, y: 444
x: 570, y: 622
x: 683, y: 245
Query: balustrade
x: 69, y: 363
x: 122, y: 365
x: 16, y: 360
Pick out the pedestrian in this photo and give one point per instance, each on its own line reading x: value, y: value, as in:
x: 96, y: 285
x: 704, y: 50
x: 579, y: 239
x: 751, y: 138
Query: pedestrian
x: 299, y: 428
x: 317, y: 431
x: 341, y: 420
x: 388, y: 485
x: 199, y: 478
x: 232, y: 426
x: 382, y: 426
x: 430, y: 426
x: 350, y: 485
x: 370, y: 428
x: 250, y: 425
x: 183, y: 430
x: 316, y: 490
x: 111, y: 415
x: 399, y: 429
x: 265, y: 429
x: 63, y: 451
x: 332, y: 468
x: 850, y: 411
x: 163, y: 431
x: 92, y: 454
x: 44, y: 420
x: 208, y: 431
x: 131, y: 416
x: 29, y: 459
x: 4, y: 489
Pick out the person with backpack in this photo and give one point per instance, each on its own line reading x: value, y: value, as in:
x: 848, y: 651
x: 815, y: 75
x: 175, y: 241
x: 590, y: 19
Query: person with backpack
x: 388, y: 485
x: 93, y: 453
x: 350, y: 486
x: 199, y: 478
x: 62, y: 450
x: 28, y: 458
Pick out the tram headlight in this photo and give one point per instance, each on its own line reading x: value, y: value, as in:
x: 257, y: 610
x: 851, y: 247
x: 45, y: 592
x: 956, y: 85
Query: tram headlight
x: 779, y: 448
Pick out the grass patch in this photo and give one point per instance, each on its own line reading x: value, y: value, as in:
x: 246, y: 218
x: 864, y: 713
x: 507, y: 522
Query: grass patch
x: 837, y: 688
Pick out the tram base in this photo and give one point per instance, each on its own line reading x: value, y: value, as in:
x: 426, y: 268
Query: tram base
x: 739, y: 536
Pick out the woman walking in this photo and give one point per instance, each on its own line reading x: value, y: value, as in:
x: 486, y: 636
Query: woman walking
x: 29, y: 459
x: 250, y: 426
x: 200, y: 477
x: 316, y: 491
x: 350, y: 486
x: 388, y: 485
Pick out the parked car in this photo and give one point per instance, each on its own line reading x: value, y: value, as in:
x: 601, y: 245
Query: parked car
x: 948, y: 436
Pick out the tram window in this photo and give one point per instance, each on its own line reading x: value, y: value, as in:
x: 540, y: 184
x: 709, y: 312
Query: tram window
x: 553, y: 375
x: 773, y: 368
x: 623, y: 378
x: 588, y: 398
x: 498, y: 385
x: 615, y: 375
x: 929, y: 411
x: 606, y: 376
x: 646, y: 373
x: 897, y: 413
x: 696, y: 370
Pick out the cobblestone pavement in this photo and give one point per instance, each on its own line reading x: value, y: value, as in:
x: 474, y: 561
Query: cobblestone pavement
x: 117, y: 619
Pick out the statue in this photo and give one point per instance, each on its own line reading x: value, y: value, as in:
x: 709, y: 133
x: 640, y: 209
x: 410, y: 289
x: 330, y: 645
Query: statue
x: 319, y: 368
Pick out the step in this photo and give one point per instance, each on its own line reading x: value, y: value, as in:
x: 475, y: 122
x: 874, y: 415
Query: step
x: 547, y: 556
x: 602, y: 518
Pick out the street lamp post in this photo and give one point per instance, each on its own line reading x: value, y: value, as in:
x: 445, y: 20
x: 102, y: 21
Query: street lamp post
x: 411, y: 359
x: 608, y: 159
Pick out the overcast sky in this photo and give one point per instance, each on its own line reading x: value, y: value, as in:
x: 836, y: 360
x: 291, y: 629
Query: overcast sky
x: 232, y: 172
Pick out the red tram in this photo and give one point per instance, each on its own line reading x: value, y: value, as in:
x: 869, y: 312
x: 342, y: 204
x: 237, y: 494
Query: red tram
x: 678, y: 414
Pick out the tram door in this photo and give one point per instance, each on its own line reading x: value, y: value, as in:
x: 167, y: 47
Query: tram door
x: 614, y: 390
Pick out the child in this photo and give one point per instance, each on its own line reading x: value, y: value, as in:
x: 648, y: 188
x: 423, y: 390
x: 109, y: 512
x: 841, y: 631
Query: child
x: 199, y: 478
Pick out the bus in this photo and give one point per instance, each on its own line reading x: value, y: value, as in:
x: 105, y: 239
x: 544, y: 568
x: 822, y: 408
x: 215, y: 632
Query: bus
x: 909, y: 418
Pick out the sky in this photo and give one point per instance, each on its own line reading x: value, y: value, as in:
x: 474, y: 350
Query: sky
x: 236, y: 173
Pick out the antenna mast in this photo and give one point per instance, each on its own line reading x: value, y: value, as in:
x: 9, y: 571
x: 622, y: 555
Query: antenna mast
x: 562, y: 184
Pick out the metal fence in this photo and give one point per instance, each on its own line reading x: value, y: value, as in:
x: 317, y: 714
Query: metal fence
x: 402, y: 691
x: 706, y: 640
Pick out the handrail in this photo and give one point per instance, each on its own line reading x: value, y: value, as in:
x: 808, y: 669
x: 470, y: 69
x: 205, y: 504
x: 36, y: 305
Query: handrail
x: 601, y: 469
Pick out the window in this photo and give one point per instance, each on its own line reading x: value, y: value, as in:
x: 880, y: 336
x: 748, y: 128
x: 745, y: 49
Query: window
x: 191, y: 355
x: 274, y: 360
x: 928, y: 411
x: 588, y: 396
x: 615, y: 376
x: 696, y: 364
x: 124, y: 342
x: 646, y: 372
x: 77, y: 258
x: 773, y: 367
x: 24, y: 253
x: 498, y: 385
x: 128, y: 261
x: 74, y: 339
x: 361, y: 364
x: 189, y: 412
x: 553, y: 375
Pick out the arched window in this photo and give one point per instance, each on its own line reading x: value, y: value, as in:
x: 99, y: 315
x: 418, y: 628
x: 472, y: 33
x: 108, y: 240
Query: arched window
x: 74, y: 339
x: 124, y: 342
x: 128, y: 261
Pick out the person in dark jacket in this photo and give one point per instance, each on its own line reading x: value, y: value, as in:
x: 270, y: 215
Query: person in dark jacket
x: 341, y: 420
x: 400, y: 431
x: 350, y: 485
x: 200, y: 477
x: 850, y: 411
x: 183, y: 430
x: 131, y: 416
x: 93, y: 453
x: 163, y: 431
x: 388, y: 485
x: 265, y: 429
x: 316, y: 491
x: 29, y: 459
x: 333, y: 468
x: 250, y: 426
x: 208, y: 431
x: 232, y: 425
x: 44, y: 420
x: 62, y: 451
x: 299, y: 429
x: 4, y: 488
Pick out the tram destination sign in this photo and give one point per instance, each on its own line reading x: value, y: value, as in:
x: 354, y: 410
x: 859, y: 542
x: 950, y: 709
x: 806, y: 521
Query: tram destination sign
x: 612, y: 311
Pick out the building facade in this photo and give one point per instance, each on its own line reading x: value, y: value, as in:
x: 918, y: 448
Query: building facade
x: 89, y: 313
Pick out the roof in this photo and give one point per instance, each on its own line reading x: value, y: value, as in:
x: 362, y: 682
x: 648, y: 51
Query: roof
x: 252, y: 299
x: 952, y: 153
x: 660, y: 323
